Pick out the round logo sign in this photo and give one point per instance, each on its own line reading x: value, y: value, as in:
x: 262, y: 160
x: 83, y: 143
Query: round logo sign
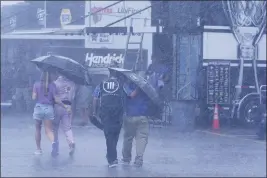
x: 65, y: 16
x: 111, y: 86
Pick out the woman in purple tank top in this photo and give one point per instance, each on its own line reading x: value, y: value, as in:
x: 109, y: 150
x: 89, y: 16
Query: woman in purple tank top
x: 44, y: 93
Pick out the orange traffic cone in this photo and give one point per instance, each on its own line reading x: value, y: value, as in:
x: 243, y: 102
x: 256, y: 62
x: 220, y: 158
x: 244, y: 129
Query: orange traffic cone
x: 216, y: 122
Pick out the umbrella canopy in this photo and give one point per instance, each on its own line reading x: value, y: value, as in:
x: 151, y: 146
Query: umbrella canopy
x: 65, y: 66
x: 148, y: 89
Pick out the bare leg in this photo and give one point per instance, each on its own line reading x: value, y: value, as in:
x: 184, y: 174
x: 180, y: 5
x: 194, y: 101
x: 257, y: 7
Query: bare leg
x: 38, y: 128
x: 49, y: 130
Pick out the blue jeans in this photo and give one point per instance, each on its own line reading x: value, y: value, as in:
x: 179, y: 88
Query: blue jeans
x: 43, y: 112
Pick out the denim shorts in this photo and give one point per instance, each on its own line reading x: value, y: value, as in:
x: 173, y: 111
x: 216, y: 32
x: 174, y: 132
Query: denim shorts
x: 43, y: 112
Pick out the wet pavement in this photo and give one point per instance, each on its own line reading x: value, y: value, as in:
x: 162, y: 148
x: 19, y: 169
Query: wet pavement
x: 168, y: 153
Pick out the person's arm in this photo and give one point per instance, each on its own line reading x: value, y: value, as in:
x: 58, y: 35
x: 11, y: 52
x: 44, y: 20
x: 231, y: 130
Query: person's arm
x: 165, y: 74
x: 95, y: 101
x: 96, y: 96
x: 129, y: 91
x: 56, y: 98
x: 73, y: 91
x: 134, y: 93
x: 59, y: 102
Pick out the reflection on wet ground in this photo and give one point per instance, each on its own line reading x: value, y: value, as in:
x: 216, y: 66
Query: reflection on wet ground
x: 168, y: 153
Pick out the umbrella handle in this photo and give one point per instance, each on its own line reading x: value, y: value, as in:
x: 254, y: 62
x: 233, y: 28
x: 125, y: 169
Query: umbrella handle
x: 87, y: 77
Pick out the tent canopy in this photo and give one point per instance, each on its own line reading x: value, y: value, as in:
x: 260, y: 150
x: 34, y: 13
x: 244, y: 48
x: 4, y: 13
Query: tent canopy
x: 67, y: 32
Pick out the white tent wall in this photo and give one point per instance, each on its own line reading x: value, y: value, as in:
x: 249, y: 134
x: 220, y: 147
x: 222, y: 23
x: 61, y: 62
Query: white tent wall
x: 223, y: 46
x: 113, y: 14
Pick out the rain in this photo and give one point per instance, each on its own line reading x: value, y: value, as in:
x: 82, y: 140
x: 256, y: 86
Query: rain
x: 133, y: 88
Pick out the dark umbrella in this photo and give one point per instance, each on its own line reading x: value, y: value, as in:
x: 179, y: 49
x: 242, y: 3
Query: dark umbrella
x: 65, y: 66
x: 148, y: 89
x: 97, y: 122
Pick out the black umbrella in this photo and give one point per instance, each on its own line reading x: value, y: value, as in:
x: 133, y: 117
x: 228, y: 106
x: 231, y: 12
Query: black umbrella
x: 97, y: 122
x: 148, y: 89
x: 65, y: 66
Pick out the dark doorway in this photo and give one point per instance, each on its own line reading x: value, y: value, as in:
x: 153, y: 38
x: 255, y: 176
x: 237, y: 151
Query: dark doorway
x: 162, y: 46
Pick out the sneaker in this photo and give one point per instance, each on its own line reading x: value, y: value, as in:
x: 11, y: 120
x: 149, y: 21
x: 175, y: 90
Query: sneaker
x: 126, y: 163
x: 54, y: 151
x: 138, y: 164
x: 72, y: 149
x: 38, y: 152
x: 113, y: 164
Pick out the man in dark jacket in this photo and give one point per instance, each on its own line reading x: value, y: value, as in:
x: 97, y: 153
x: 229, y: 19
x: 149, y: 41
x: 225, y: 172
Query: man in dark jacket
x: 110, y: 95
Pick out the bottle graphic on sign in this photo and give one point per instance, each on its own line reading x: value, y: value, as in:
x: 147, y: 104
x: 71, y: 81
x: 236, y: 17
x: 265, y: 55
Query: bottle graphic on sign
x: 13, y: 21
x: 65, y: 17
x: 40, y: 15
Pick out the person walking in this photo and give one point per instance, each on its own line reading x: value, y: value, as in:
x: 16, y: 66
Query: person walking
x: 44, y: 93
x: 65, y: 90
x: 83, y: 101
x: 110, y: 96
x: 135, y: 123
x: 22, y: 90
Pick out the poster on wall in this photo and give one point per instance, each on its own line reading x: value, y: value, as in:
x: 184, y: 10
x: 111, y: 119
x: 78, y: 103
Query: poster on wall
x: 13, y: 21
x: 40, y: 15
x: 116, y: 12
x: 101, y: 38
x: 218, y: 83
x: 65, y: 17
x: 113, y: 14
x: 60, y: 13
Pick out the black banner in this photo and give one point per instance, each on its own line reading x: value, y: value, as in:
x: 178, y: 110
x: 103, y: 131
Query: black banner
x: 31, y: 15
x: 111, y: 30
x: 218, y: 83
x: 100, y: 57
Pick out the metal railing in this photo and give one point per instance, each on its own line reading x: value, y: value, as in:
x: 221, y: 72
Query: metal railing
x: 189, y: 95
x: 165, y: 118
x: 262, y: 93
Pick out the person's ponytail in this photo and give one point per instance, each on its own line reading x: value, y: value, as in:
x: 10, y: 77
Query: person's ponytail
x: 45, y: 81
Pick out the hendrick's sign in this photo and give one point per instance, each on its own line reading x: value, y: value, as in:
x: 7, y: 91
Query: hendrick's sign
x: 100, y: 57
